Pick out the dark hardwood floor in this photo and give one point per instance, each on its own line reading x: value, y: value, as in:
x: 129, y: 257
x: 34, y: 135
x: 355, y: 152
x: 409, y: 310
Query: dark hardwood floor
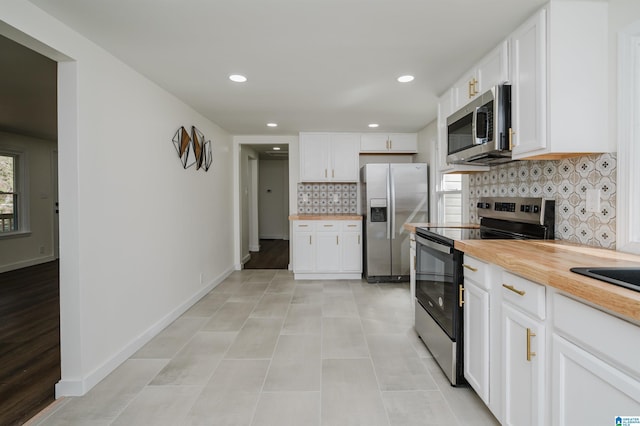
x: 29, y: 341
x: 273, y: 254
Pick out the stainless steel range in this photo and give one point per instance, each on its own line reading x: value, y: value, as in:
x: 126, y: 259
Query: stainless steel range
x: 439, y: 277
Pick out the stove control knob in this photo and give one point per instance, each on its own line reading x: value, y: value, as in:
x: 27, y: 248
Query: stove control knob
x: 535, y: 208
x: 522, y: 207
x: 527, y: 208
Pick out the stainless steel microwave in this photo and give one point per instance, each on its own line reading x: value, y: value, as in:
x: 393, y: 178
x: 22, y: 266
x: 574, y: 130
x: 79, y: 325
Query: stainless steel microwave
x: 480, y: 132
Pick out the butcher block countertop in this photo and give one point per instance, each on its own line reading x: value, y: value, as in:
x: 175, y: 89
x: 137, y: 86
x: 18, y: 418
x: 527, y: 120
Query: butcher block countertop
x: 548, y: 263
x: 324, y: 217
x: 411, y: 227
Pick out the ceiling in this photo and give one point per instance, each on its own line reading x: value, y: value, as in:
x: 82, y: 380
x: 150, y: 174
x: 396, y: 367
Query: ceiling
x: 312, y: 65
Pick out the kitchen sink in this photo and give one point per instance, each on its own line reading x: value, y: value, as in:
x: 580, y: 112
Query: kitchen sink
x: 628, y: 277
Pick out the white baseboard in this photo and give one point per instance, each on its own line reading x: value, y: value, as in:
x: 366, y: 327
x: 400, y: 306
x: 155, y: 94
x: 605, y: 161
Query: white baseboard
x: 246, y: 258
x: 254, y: 248
x: 82, y: 385
x: 326, y: 276
x: 26, y: 263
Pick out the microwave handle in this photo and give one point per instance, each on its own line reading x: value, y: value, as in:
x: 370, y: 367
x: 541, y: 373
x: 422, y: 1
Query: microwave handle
x: 478, y: 140
x: 474, y: 125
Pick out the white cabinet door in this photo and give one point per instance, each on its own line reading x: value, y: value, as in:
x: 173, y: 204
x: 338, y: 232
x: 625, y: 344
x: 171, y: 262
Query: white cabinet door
x: 345, y: 164
x: 523, y: 353
x: 395, y: 143
x: 314, y: 157
x: 351, y: 251
x: 476, y: 339
x: 465, y: 90
x: 494, y: 68
x: 403, y: 142
x: 587, y: 390
x: 374, y: 142
x: 303, y: 251
x: 328, y: 251
x: 529, y: 85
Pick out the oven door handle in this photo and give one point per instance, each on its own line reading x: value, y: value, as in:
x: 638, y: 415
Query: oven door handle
x: 433, y: 245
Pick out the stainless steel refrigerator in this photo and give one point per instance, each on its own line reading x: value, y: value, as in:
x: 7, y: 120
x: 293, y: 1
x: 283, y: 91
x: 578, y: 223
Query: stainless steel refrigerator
x: 392, y: 195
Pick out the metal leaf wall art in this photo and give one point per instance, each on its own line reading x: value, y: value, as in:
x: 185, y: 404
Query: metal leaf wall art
x: 193, y: 149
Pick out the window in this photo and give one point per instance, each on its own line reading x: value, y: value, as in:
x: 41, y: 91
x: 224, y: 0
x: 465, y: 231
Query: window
x: 9, y: 194
x: 449, y: 199
x: 628, y: 210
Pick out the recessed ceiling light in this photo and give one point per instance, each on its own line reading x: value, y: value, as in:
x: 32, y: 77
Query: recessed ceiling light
x: 405, y: 78
x: 237, y: 78
x: 272, y: 124
x: 373, y: 125
x: 276, y: 148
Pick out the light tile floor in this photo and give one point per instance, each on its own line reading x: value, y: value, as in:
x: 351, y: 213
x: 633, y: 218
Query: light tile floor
x: 263, y: 349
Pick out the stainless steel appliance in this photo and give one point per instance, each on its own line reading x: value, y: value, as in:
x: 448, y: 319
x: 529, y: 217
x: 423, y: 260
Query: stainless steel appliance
x: 439, y: 277
x: 480, y: 132
x: 392, y: 195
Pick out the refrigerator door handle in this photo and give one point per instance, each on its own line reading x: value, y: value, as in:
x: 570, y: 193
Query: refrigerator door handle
x: 392, y: 204
x: 389, y: 214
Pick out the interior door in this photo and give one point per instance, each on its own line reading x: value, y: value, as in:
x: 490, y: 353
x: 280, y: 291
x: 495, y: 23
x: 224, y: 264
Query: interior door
x: 409, y: 203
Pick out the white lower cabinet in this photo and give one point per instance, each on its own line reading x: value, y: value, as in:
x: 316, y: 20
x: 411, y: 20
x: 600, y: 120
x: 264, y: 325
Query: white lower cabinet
x: 523, y: 357
x: 536, y: 356
x: 327, y: 249
x: 476, y: 339
x: 596, y: 367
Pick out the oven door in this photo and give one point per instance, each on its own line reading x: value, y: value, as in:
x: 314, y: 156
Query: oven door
x: 438, y: 272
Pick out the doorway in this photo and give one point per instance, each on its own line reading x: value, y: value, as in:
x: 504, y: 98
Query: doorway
x: 265, y: 193
x: 30, y: 363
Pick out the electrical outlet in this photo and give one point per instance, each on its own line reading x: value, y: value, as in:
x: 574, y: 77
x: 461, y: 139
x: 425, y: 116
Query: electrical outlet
x: 41, y: 249
x: 593, y: 200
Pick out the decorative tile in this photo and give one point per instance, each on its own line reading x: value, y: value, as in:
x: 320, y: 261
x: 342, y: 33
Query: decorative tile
x: 566, y: 181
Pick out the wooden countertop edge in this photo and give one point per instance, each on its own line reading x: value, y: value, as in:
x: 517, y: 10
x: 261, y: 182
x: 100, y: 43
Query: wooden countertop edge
x: 540, y: 266
x: 324, y: 217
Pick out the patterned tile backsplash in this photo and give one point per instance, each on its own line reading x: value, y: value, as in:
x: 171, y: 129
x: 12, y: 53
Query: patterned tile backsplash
x: 566, y: 181
x: 327, y: 198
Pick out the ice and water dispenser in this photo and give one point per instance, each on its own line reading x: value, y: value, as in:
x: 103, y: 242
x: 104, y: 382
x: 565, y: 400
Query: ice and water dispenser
x: 378, y: 210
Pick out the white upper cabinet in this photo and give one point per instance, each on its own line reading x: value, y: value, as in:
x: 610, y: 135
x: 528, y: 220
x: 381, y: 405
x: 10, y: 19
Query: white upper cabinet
x: 493, y: 69
x: 329, y: 157
x: 389, y: 143
x: 559, y: 73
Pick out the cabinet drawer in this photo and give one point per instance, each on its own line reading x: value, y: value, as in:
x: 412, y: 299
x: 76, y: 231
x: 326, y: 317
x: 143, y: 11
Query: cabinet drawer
x: 350, y: 225
x: 304, y: 225
x: 524, y: 294
x: 477, y: 271
x: 599, y: 332
x: 327, y: 225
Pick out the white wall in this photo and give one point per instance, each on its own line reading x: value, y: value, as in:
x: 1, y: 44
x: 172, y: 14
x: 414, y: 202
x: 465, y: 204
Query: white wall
x: 427, y: 153
x: 25, y: 249
x: 137, y: 232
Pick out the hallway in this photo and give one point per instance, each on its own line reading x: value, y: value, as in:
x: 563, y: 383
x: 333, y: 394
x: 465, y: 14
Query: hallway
x: 264, y: 349
x: 273, y: 254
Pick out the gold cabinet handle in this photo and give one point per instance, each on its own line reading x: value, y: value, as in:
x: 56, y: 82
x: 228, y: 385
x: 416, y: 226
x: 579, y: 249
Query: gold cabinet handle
x: 513, y: 289
x: 470, y: 89
x: 358, y: 239
x: 530, y: 334
x: 325, y: 173
x: 475, y: 87
x: 333, y: 173
x: 511, y: 133
x: 337, y: 242
x: 390, y: 144
x: 469, y: 267
x: 352, y: 226
x: 328, y: 226
x: 302, y: 226
x: 460, y: 296
x: 309, y: 239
